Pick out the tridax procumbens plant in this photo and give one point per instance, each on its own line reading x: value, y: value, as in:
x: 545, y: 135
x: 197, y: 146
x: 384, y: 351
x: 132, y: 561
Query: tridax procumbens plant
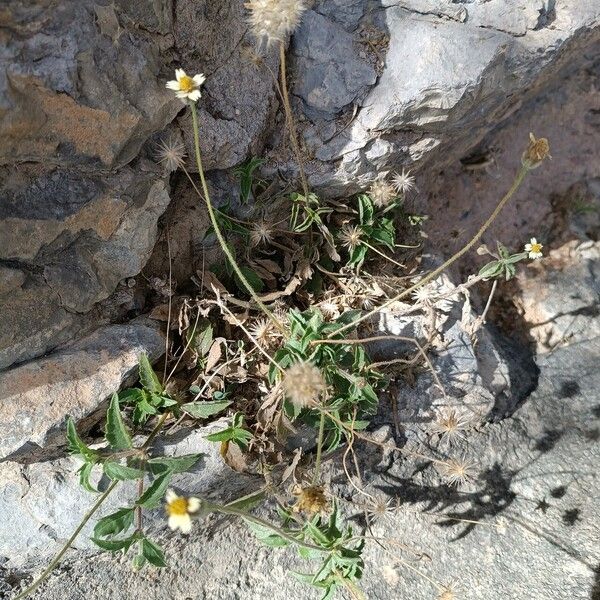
x: 279, y: 340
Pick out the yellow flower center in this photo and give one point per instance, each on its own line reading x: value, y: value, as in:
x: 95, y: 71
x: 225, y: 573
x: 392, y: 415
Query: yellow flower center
x: 536, y: 247
x: 186, y: 84
x: 177, y: 507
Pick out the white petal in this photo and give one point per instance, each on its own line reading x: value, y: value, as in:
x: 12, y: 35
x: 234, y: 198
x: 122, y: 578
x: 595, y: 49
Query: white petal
x: 533, y: 241
x: 193, y: 505
x: 528, y: 247
x: 195, y: 95
x: 179, y: 73
x: 173, y: 85
x: 182, y: 522
x: 182, y: 95
x: 199, y: 79
x: 170, y: 496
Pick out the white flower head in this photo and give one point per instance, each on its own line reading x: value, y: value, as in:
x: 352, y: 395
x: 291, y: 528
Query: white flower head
x: 186, y: 87
x: 180, y: 511
x: 534, y: 248
x: 403, y: 182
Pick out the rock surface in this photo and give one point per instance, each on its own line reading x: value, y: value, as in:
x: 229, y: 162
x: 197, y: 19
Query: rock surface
x: 527, y: 527
x: 35, y: 398
x: 440, y: 68
x: 43, y: 502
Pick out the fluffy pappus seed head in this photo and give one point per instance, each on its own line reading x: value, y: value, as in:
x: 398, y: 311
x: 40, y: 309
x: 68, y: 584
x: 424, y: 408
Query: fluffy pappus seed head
x: 171, y: 154
x: 458, y: 471
x: 303, y: 384
x: 382, y: 193
x: 273, y: 20
x: 261, y: 233
x: 403, y: 182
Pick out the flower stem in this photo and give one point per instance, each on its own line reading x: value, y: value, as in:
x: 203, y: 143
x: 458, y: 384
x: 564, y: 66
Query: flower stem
x: 219, y: 234
x: 289, y: 117
x: 67, y: 545
x: 433, y: 274
x: 315, y: 478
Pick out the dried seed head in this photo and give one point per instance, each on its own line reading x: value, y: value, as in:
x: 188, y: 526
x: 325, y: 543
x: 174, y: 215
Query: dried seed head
x: 457, y: 471
x: 171, y: 154
x: 403, y: 182
x: 350, y: 236
x: 262, y: 331
x: 303, y: 384
x: 311, y: 500
x: 381, y: 193
x: 450, y: 424
x: 261, y: 233
x: 274, y: 20
x: 536, y: 152
x: 380, y: 507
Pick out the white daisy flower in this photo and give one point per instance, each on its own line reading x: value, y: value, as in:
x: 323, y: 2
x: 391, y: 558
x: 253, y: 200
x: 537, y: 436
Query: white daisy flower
x: 186, y: 87
x: 534, y: 248
x: 180, y: 511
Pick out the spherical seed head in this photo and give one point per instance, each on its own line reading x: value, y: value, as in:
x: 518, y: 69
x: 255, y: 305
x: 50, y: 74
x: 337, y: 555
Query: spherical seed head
x: 261, y: 233
x: 381, y: 193
x: 350, y: 236
x: 403, y: 182
x: 303, y: 384
x: 311, y: 500
x: 171, y: 154
x: 536, y: 152
x: 458, y: 471
x: 274, y: 20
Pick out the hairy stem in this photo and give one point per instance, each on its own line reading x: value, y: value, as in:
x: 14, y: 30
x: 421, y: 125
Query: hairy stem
x: 219, y: 234
x: 289, y: 117
x: 315, y: 478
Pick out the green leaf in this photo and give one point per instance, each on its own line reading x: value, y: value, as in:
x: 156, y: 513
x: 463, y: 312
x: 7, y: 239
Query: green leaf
x: 138, y: 562
x: 265, y: 535
x: 84, y: 477
x: 153, y: 553
x: 173, y: 464
x: 365, y: 210
x: 153, y: 496
x: 203, y: 410
x: 116, y: 432
x: 76, y: 445
x: 120, y: 472
x: 115, y: 545
x: 114, y: 523
x: 148, y: 377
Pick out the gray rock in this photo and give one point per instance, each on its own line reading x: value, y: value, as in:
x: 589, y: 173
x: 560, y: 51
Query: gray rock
x: 75, y: 237
x: 43, y: 502
x: 36, y: 397
x: 333, y: 75
x: 560, y: 296
x: 481, y: 373
x: 438, y: 92
x: 526, y: 528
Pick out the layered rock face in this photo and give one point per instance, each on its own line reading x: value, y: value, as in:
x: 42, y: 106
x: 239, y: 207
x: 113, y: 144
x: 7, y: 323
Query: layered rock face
x: 377, y: 85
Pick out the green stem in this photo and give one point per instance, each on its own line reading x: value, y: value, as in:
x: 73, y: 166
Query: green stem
x: 215, y: 224
x: 315, y: 478
x: 64, y: 549
x: 433, y: 274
